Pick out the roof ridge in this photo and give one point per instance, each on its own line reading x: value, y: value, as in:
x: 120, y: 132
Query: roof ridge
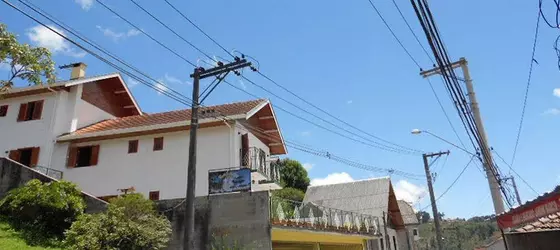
x: 354, y: 181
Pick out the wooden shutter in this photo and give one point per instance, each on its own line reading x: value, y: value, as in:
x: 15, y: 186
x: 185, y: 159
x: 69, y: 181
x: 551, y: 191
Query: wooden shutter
x: 72, y: 157
x: 14, y: 155
x: 34, y: 156
x: 94, y: 155
x: 158, y: 143
x: 154, y: 195
x: 38, y: 110
x: 22, y: 112
x: 132, y: 146
x: 244, y: 150
x: 3, y: 110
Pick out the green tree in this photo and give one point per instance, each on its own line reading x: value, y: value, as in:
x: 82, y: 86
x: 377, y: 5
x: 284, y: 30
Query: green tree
x: 292, y: 174
x: 32, y: 64
x: 130, y: 222
x: 423, y: 216
x: 43, y: 210
x: 289, y: 193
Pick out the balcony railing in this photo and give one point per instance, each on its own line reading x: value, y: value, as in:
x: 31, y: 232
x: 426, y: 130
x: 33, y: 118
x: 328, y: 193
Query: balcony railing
x: 295, y: 214
x: 257, y: 160
x: 57, y: 174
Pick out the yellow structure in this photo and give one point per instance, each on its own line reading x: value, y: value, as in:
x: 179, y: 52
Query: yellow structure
x: 303, y: 239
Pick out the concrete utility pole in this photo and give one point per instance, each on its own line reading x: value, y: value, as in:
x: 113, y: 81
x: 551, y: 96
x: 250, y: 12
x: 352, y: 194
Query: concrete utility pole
x: 439, y: 237
x: 488, y: 162
x: 517, y: 197
x: 200, y: 73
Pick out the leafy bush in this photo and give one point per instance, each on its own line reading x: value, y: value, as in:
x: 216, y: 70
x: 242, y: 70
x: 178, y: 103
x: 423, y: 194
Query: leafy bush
x: 130, y: 222
x: 49, y: 208
x: 289, y: 193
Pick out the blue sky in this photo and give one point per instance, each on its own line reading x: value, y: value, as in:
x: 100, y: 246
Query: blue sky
x: 340, y: 56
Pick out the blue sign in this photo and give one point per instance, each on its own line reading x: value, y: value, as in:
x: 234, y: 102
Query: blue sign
x: 227, y: 181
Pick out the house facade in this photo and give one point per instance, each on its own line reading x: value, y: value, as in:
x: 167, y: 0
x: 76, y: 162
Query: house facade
x: 92, y: 131
x: 411, y: 224
x: 374, y: 197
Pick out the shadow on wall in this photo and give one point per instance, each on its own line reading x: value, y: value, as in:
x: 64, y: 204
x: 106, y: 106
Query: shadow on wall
x: 14, y: 174
x: 237, y: 220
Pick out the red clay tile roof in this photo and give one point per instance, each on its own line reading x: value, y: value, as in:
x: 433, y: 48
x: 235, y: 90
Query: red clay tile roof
x: 550, y: 222
x: 170, y: 117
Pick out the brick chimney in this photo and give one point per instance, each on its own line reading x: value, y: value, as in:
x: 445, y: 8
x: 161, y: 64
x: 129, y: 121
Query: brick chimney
x: 78, y: 70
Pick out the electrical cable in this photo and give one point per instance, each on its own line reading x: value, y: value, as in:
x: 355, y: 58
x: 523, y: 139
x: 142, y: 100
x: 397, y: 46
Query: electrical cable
x: 526, y: 90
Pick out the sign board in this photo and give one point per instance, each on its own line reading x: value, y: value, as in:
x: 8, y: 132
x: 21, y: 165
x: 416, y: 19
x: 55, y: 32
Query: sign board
x: 230, y: 180
x: 530, y: 212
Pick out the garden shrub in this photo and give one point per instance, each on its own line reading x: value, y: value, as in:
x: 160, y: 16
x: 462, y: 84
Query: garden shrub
x: 49, y: 208
x: 130, y: 222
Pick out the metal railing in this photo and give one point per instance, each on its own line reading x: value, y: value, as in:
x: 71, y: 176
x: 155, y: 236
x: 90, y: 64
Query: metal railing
x: 57, y: 174
x: 288, y: 213
x: 257, y: 160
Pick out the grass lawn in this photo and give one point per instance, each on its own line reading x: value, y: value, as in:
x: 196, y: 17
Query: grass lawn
x: 10, y: 239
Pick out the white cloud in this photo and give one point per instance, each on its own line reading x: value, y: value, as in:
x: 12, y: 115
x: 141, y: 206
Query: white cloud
x: 243, y: 86
x: 333, y: 178
x: 552, y: 111
x: 556, y: 92
x: 305, y: 133
x: 85, y: 4
x: 308, y: 166
x: 43, y: 37
x: 171, y: 79
x: 161, y: 86
x: 131, y: 82
x: 349, y: 102
x: 117, y: 36
x: 409, y: 192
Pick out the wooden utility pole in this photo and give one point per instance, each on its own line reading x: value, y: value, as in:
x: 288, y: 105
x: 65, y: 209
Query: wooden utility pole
x: 487, y: 160
x: 200, y: 73
x: 439, y: 238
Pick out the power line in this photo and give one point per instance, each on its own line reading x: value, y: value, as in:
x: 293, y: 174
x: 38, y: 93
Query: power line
x: 452, y: 184
x: 381, y: 146
x: 145, y: 33
x: 527, y: 88
x: 412, y: 31
x: 515, y: 172
x: 299, y: 97
x: 377, y: 144
x: 393, y: 33
x: 181, y: 98
x: 199, y: 29
x: 173, y: 31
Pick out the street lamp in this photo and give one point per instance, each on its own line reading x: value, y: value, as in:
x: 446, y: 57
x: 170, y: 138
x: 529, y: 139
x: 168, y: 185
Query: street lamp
x: 418, y: 131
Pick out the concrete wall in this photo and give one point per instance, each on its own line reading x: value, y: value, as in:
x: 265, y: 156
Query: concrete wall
x: 543, y: 240
x: 88, y: 114
x: 13, y: 175
x: 237, y: 217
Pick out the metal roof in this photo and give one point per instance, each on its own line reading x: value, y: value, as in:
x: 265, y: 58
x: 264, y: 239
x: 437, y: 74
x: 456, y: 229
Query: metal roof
x: 369, y: 196
x: 407, y: 212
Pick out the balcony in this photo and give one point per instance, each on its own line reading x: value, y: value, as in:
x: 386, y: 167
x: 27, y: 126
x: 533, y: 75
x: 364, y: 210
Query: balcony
x: 257, y: 160
x: 298, y: 215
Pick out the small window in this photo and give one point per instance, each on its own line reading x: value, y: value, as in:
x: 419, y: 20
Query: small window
x: 381, y: 243
x: 30, y: 111
x: 158, y: 143
x: 415, y: 232
x: 83, y: 156
x: 26, y: 156
x: 3, y: 110
x: 132, y: 146
x: 154, y: 195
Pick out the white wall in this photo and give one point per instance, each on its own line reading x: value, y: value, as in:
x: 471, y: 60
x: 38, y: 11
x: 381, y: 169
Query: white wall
x: 148, y: 170
x: 88, y: 114
x: 34, y: 133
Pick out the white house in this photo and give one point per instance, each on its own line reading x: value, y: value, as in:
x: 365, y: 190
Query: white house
x: 92, y: 130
